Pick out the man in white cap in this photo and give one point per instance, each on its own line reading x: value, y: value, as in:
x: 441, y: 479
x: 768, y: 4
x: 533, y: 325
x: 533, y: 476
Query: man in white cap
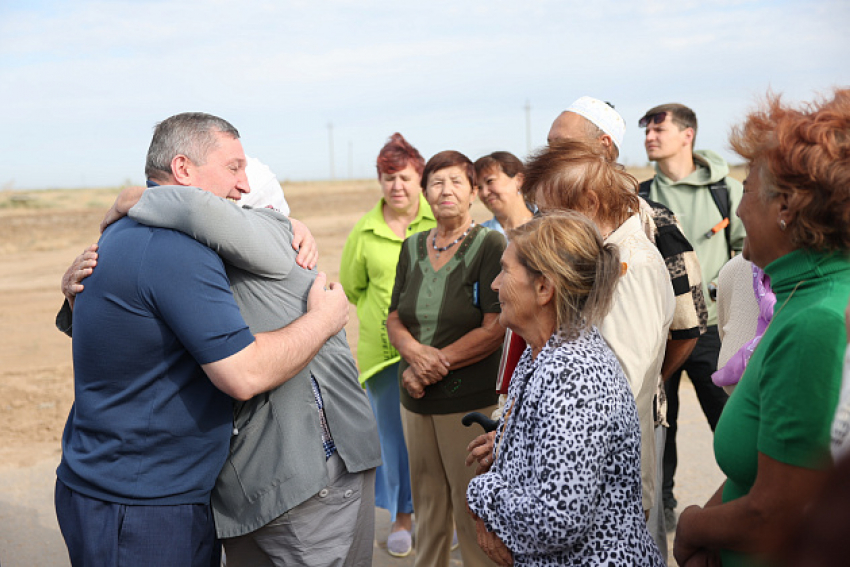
x: 595, y: 121
x: 591, y: 119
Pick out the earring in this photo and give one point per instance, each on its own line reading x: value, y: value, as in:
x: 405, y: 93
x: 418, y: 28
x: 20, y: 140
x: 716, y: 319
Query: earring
x: 782, y: 224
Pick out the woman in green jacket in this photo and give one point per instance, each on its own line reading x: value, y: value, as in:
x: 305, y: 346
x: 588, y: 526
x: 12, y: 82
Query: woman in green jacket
x: 367, y: 272
x: 773, y: 438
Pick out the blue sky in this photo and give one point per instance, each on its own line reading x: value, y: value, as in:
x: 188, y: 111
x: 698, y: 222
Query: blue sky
x: 84, y: 82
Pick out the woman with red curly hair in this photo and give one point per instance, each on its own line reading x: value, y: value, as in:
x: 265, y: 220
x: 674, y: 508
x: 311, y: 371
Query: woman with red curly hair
x: 773, y: 437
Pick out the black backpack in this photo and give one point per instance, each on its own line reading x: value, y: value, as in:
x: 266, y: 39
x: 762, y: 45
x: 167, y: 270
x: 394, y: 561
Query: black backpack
x: 720, y: 194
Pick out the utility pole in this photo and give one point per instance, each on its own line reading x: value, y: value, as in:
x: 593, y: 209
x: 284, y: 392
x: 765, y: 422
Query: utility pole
x: 527, y: 127
x: 331, y: 147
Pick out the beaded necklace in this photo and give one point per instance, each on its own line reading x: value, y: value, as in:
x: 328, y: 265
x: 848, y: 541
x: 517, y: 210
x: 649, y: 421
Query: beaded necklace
x: 440, y: 249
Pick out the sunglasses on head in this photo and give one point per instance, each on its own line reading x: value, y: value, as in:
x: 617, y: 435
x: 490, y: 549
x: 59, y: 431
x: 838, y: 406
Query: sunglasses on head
x: 656, y: 118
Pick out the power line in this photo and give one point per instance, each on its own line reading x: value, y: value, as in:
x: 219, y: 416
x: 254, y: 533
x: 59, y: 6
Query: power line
x: 331, y: 148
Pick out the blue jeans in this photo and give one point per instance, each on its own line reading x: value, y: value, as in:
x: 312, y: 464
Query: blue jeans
x: 106, y: 534
x: 392, y: 478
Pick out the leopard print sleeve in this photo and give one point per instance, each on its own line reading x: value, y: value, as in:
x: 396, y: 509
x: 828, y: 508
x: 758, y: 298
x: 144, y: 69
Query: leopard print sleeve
x: 566, y: 484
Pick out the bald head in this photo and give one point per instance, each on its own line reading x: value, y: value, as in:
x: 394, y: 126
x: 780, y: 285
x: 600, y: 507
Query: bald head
x: 569, y: 126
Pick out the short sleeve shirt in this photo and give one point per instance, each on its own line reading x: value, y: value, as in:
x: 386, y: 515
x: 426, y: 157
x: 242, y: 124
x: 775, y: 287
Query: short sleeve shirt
x: 438, y: 307
x: 784, y: 403
x: 147, y: 424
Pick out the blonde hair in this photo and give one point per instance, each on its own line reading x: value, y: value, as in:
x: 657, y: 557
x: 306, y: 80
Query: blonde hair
x: 566, y: 248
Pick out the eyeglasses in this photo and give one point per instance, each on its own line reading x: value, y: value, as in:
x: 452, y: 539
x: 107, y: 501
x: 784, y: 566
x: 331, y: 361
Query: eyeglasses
x: 656, y: 118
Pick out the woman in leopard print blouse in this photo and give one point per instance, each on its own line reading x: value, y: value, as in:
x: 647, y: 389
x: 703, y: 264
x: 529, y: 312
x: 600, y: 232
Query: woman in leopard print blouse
x: 565, y: 486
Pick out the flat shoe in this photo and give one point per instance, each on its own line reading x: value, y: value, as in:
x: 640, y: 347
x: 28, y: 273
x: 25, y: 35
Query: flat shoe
x: 400, y: 543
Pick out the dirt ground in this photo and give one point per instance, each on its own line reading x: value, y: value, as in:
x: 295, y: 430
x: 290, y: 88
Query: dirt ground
x: 41, y: 232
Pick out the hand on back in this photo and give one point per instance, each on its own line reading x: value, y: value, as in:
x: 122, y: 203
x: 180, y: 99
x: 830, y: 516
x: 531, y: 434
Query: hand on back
x: 80, y: 269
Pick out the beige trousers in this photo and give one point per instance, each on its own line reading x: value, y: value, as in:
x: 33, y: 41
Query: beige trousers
x: 436, y: 446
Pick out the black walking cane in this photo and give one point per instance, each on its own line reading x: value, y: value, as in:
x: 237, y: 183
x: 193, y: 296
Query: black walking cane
x: 481, y: 419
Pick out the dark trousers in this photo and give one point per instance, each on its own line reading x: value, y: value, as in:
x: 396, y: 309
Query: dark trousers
x: 700, y: 366
x: 106, y: 534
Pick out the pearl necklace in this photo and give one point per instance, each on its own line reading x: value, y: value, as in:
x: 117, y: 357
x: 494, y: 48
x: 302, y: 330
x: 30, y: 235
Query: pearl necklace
x: 441, y: 249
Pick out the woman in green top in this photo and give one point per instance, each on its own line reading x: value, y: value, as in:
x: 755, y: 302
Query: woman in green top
x: 367, y: 272
x: 773, y: 437
x: 444, y: 321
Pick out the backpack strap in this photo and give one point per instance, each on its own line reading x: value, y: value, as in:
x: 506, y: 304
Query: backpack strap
x: 720, y: 194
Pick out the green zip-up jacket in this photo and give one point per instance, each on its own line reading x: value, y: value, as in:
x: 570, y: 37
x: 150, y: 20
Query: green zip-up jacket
x: 367, y: 273
x: 692, y: 203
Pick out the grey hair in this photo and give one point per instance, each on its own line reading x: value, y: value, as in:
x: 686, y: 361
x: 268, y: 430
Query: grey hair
x: 190, y: 134
x: 594, y: 133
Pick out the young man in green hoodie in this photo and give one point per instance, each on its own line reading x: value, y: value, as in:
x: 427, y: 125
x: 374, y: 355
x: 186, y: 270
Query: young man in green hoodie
x: 695, y: 186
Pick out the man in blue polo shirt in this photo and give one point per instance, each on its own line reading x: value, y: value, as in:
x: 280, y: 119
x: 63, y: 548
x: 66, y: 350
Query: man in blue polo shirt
x: 160, y: 349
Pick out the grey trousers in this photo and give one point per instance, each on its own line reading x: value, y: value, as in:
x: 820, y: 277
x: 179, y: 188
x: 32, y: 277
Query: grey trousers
x: 656, y: 515
x: 336, y: 527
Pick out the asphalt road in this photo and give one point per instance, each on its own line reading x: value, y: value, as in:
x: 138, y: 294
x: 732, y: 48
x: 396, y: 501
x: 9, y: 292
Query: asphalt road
x: 29, y: 535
